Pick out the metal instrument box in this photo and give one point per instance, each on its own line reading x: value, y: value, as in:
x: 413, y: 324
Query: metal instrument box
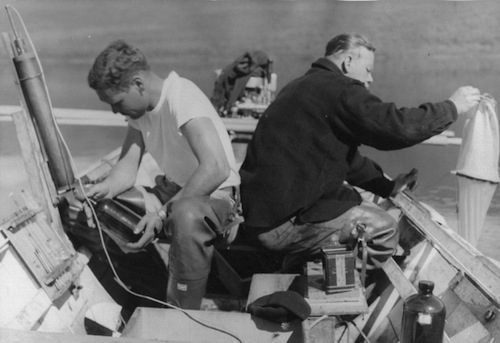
x: 339, y: 263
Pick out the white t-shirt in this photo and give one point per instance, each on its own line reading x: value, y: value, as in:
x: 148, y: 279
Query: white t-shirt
x: 180, y: 101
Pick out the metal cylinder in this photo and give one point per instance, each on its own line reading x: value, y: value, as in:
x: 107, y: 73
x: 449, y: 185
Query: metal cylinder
x: 36, y: 98
x: 119, y: 219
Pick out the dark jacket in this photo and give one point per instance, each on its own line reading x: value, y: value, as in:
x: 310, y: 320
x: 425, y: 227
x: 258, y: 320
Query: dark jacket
x: 306, y: 145
x: 230, y: 84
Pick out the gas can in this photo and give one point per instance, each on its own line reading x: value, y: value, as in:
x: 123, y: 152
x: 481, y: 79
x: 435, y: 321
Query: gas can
x: 423, y: 316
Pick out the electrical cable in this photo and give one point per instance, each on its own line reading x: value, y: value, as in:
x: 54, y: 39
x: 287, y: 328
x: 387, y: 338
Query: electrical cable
x: 346, y: 328
x: 346, y: 323
x: 94, y: 215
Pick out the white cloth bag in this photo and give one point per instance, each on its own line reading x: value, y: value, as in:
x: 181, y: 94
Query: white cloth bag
x: 477, y: 169
x: 479, y: 152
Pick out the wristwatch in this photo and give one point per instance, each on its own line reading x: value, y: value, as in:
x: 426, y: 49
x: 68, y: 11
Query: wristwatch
x: 162, y: 214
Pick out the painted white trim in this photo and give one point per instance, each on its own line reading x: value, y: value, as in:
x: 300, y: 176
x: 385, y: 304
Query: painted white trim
x: 71, y: 116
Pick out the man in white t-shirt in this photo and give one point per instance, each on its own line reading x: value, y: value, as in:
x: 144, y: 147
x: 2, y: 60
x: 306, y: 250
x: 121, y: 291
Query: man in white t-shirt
x: 176, y: 123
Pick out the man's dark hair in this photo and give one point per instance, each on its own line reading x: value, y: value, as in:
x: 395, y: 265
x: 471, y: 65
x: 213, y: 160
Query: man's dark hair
x: 345, y: 42
x: 116, y: 65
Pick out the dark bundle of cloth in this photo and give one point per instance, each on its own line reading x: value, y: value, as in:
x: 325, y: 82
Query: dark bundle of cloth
x: 281, y: 307
x: 231, y: 82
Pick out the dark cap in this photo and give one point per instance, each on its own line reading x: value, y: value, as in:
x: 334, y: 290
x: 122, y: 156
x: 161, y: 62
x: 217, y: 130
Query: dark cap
x: 281, y: 307
x: 426, y: 287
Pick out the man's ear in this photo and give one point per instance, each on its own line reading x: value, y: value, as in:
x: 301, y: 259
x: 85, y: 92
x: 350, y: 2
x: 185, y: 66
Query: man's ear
x: 344, y: 69
x: 346, y: 63
x: 139, y: 83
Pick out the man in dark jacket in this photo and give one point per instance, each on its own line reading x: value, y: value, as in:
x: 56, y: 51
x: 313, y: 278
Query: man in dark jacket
x: 303, y: 158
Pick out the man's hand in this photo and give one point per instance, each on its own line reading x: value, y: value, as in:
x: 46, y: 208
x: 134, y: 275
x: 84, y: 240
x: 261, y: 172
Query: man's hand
x: 465, y: 98
x: 150, y: 225
x: 405, y: 181
x: 94, y: 192
x: 89, y: 195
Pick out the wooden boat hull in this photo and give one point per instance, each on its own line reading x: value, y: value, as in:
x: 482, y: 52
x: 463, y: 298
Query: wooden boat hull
x: 467, y: 281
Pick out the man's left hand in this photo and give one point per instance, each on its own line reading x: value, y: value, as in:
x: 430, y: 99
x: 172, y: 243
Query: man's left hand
x: 405, y: 181
x: 150, y: 225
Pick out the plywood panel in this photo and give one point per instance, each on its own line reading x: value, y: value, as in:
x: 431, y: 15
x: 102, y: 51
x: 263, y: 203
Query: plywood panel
x: 174, y: 325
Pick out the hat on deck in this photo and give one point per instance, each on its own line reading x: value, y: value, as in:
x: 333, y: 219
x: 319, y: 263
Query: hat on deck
x: 281, y: 307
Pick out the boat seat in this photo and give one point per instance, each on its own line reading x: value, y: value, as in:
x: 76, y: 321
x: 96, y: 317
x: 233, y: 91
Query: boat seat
x: 326, y: 310
x: 348, y: 302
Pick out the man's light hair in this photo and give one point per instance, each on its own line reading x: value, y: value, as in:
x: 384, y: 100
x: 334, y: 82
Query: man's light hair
x: 115, y: 67
x: 345, y: 42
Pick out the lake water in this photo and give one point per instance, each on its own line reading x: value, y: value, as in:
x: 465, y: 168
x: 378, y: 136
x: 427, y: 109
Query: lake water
x: 424, y: 52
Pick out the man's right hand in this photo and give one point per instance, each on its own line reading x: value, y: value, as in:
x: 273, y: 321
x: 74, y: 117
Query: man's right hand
x: 465, y: 98
x: 92, y: 193
x: 405, y: 181
x: 150, y: 226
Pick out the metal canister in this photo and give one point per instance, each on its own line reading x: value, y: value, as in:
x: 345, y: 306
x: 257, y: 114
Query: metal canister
x: 338, y: 268
x: 423, y: 316
x: 119, y: 219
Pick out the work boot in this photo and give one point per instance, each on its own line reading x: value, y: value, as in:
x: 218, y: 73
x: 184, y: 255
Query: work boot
x: 186, y: 294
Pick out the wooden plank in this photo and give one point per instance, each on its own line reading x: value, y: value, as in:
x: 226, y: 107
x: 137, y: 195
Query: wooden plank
x: 46, y: 253
x: 320, y: 329
x: 447, y: 279
x: 43, y: 191
x: 488, y: 315
x: 41, y: 184
x: 396, y: 318
x: 463, y: 326
x: 461, y: 323
x: 376, y: 325
x: 247, y: 125
x: 342, y: 303
x: 14, y: 297
x: 31, y: 313
x: 350, y: 301
x: 32, y: 157
x: 10, y: 335
x: 208, y: 326
x: 379, y: 308
x: 402, y: 284
x: 464, y: 301
x: 454, y: 248
x: 70, y: 116
x: 475, y: 333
